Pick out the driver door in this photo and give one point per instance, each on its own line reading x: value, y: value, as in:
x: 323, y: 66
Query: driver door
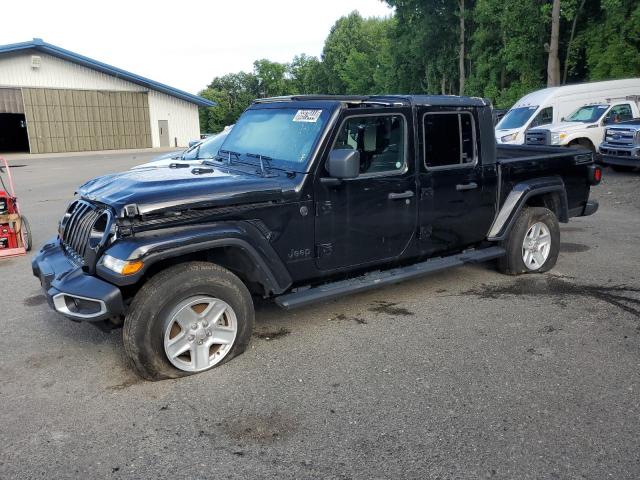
x: 371, y: 218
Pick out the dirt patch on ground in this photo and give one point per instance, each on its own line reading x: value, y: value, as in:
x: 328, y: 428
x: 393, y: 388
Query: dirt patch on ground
x: 390, y: 308
x: 38, y: 361
x: 261, y: 428
x: 129, y: 381
x: 341, y: 317
x: 273, y: 334
x: 34, y: 300
x: 623, y: 297
x: 573, y: 247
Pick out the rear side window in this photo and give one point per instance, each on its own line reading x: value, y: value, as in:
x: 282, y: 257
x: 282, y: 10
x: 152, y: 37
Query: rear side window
x: 544, y: 117
x: 449, y: 139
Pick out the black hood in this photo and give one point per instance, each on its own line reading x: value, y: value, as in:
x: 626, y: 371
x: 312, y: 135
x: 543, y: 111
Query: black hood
x: 161, y: 189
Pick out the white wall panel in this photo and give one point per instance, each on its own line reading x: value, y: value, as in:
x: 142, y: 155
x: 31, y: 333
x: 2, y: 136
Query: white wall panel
x: 16, y: 71
x: 184, y: 123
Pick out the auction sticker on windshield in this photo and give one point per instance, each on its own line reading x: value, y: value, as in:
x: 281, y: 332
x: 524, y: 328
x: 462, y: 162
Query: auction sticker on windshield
x: 310, y: 116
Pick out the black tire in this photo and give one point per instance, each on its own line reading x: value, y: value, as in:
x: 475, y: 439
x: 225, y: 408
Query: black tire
x: 143, y: 332
x: 622, y: 168
x: 512, y: 263
x: 26, y: 230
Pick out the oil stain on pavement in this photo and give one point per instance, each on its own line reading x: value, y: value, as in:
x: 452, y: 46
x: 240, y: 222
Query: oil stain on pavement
x: 624, y: 297
x: 34, y: 300
x: 390, y: 308
x: 272, y: 335
x: 567, y: 247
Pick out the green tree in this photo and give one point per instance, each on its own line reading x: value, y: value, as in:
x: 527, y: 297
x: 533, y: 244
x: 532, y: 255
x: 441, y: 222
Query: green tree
x: 426, y: 45
x: 613, y: 41
x: 306, y: 74
x: 507, y: 52
x: 271, y: 76
x: 353, y: 55
x: 233, y: 93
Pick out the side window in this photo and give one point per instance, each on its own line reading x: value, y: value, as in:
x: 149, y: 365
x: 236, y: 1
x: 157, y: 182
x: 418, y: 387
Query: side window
x: 380, y: 139
x: 449, y: 139
x: 543, y: 117
x: 619, y: 113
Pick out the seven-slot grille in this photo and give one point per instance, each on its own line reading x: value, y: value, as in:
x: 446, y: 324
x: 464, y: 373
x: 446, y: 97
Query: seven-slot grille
x: 77, y: 229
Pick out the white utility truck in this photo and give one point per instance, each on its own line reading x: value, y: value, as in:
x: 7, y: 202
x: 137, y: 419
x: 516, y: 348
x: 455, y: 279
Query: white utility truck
x: 552, y: 105
x: 585, y: 127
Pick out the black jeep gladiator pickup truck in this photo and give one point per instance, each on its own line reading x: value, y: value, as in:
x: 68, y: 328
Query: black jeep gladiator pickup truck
x: 309, y: 198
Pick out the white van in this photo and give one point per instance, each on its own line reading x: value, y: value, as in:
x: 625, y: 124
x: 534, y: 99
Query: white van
x: 551, y: 105
x: 585, y: 127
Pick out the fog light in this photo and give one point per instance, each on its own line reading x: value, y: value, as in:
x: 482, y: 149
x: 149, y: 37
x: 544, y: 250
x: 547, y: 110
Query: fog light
x: 123, y: 267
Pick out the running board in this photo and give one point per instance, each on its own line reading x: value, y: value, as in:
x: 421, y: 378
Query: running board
x: 379, y: 278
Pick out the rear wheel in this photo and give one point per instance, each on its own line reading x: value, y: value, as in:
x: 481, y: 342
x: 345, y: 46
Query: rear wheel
x: 187, y: 319
x: 533, y: 243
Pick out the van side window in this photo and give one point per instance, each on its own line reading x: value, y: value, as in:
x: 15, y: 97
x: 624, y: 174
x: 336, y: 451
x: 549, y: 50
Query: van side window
x: 543, y: 117
x: 380, y: 139
x: 449, y: 139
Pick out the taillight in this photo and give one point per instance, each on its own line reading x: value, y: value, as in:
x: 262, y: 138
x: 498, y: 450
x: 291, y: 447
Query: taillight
x: 595, y: 174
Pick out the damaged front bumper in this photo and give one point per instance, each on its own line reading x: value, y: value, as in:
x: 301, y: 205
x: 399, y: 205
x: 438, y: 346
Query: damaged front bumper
x: 71, y: 291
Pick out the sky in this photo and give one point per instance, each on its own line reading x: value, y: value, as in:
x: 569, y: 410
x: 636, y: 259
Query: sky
x: 184, y: 44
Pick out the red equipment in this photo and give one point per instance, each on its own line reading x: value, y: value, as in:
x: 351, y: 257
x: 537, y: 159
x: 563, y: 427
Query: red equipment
x: 15, y: 234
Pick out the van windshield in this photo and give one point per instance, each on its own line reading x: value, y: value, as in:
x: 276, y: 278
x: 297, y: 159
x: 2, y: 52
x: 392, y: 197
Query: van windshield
x: 516, y: 117
x: 588, y: 113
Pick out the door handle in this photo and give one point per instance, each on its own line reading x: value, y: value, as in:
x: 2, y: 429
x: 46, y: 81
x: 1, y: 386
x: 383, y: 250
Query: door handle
x: 398, y: 196
x: 466, y: 186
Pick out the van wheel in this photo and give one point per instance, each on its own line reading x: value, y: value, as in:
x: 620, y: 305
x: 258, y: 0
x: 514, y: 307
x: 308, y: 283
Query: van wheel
x: 533, y: 243
x: 187, y: 319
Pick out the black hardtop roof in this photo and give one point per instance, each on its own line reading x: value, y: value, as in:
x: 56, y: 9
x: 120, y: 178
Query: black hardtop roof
x: 388, y: 100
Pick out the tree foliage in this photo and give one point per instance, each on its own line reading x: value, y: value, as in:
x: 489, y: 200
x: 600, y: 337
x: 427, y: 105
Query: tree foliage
x: 498, y: 49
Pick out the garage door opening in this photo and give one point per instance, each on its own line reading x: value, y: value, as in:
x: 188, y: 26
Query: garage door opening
x: 13, y: 133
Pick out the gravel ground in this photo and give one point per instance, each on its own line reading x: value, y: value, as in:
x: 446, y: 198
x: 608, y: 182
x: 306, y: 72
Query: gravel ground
x: 465, y: 374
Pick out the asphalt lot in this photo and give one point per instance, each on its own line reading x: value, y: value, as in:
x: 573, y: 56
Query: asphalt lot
x: 466, y: 374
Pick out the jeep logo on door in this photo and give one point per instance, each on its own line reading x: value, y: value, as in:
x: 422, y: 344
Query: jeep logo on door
x: 299, y: 254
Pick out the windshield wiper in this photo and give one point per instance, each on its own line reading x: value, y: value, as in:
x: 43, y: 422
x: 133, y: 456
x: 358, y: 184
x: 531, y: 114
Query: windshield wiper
x: 228, y: 153
x: 263, y: 159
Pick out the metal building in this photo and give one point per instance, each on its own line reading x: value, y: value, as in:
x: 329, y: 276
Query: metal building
x: 54, y: 100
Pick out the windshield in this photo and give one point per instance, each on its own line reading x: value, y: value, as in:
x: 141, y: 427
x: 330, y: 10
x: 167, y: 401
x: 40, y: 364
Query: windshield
x: 588, y: 113
x: 516, y: 117
x: 286, y: 136
x: 208, y: 148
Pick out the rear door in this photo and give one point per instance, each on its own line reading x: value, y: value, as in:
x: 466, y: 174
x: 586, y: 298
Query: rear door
x: 457, y: 200
x: 372, y: 218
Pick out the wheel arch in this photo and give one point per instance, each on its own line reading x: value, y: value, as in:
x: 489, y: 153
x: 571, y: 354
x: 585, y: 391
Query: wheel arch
x: 584, y: 142
x: 546, y: 192
x: 237, y: 246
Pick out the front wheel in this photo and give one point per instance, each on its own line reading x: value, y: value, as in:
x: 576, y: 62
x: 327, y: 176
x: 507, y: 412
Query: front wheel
x: 533, y: 243
x: 187, y: 319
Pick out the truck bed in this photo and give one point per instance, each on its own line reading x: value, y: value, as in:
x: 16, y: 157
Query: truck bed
x: 512, y: 153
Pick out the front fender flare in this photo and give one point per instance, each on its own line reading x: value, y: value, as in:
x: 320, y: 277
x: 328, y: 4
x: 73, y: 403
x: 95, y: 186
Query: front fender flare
x: 154, y: 246
x: 518, y: 197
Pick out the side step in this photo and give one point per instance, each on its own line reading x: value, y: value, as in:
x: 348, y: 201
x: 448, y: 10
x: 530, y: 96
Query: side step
x: 379, y: 278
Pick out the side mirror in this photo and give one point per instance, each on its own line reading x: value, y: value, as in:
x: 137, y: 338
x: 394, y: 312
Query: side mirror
x: 344, y: 163
x: 194, y: 142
